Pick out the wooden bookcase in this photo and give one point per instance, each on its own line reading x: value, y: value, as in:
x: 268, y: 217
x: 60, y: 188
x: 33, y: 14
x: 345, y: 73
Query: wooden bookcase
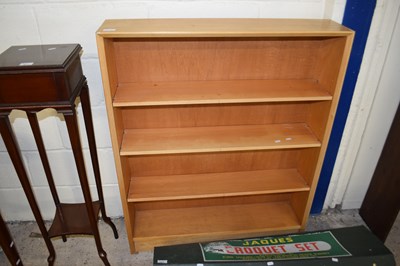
x: 219, y: 126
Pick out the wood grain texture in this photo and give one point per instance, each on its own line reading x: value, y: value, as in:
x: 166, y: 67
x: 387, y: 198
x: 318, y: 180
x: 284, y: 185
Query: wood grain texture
x: 218, y: 162
x: 331, y: 50
x: 200, y: 102
x: 125, y: 28
x: 218, y: 201
x: 108, y: 73
x: 214, y: 92
x: 161, y: 227
x: 174, y: 60
x: 214, y: 115
x: 216, y: 139
x: 329, y: 123
x: 307, y: 162
x: 299, y: 204
x: 173, y: 187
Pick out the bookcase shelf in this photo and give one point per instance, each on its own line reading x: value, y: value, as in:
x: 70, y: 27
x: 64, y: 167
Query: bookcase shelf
x: 161, y: 227
x: 219, y: 127
x: 213, y: 92
x: 216, y: 139
x: 210, y: 185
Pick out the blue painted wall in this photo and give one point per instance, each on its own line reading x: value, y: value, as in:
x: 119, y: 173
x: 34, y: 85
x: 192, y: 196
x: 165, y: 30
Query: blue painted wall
x: 358, y: 17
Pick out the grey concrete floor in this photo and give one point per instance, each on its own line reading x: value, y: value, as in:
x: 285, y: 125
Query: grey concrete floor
x: 81, y: 250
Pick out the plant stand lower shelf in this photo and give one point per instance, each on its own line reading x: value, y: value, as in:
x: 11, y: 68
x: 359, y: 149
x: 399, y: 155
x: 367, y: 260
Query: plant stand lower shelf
x: 72, y: 219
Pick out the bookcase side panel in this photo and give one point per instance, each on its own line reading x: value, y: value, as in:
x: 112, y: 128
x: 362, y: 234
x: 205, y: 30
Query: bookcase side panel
x: 109, y: 77
x: 336, y: 78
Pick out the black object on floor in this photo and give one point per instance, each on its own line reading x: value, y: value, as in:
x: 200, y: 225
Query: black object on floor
x: 345, y: 246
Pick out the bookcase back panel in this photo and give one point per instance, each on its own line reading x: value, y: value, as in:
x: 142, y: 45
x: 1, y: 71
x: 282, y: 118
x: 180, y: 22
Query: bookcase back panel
x: 214, y: 115
x: 139, y: 60
x: 220, y: 201
x: 154, y: 165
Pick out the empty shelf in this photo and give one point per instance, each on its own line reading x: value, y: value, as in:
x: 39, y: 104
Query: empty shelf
x: 216, y: 139
x: 211, y: 92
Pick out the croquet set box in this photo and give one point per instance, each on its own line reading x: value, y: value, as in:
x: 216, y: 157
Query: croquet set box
x: 345, y: 246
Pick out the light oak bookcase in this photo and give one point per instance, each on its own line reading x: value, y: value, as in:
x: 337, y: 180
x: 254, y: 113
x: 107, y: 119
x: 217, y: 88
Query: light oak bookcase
x: 219, y: 127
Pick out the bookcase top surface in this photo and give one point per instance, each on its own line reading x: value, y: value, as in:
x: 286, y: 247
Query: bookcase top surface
x: 220, y: 27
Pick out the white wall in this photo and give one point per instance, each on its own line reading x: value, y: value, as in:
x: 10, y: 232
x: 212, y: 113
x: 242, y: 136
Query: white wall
x: 72, y: 21
x: 380, y: 119
x: 374, y: 104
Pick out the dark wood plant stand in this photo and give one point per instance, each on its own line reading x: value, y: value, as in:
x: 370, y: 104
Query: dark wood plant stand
x: 36, y: 77
x: 8, y: 245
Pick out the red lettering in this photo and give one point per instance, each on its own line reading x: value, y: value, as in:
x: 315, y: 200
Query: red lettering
x: 275, y: 249
x: 257, y: 250
x: 228, y: 250
x: 310, y: 245
x: 314, y: 245
x: 266, y: 250
x: 238, y: 250
x: 248, y: 251
x: 282, y: 247
x: 307, y: 246
x: 299, y: 247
